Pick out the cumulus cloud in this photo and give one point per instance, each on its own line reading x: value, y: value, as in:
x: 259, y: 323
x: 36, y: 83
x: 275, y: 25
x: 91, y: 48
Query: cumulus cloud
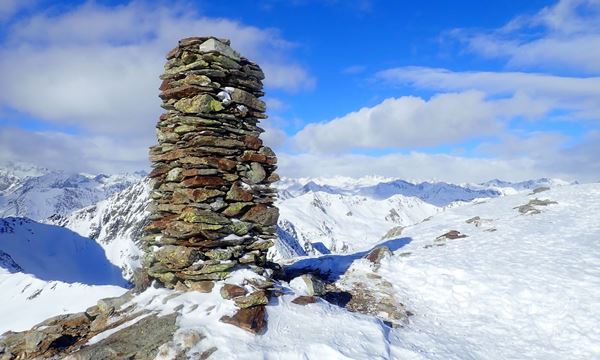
x: 513, y: 158
x: 565, y: 35
x: 578, y: 94
x: 57, y: 150
x: 409, y: 122
x: 97, y: 67
x: 94, y: 69
x: 552, y: 153
x: 415, y: 166
x: 9, y: 7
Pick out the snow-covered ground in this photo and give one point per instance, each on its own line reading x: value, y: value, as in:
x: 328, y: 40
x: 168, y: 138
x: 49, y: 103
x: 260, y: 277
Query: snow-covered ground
x: 26, y: 300
x: 518, y: 286
x: 324, y: 223
x: 530, y: 289
x: 47, y: 270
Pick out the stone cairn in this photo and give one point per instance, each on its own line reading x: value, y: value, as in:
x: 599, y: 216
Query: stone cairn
x: 212, y: 204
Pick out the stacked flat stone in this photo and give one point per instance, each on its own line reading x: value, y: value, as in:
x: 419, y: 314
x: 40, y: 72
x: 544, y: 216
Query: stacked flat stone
x: 212, y: 204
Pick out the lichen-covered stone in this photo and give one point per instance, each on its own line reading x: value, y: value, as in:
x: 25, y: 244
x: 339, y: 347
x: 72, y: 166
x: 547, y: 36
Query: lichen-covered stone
x: 200, y: 104
x: 256, y: 173
x: 177, y: 257
x: 230, y: 291
x: 253, y: 299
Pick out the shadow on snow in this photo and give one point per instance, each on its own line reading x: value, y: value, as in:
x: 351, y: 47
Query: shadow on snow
x: 51, y: 252
x: 331, y: 267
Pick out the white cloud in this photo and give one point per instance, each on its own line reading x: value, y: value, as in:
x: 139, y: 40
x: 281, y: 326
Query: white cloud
x: 274, y: 104
x: 409, y: 122
x: 513, y: 158
x: 97, y: 68
x: 578, y: 94
x: 565, y: 35
x: 10, y: 7
x: 553, y: 153
x: 58, y: 150
x: 414, y: 166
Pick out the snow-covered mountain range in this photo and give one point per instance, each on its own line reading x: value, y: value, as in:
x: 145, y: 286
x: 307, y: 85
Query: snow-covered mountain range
x: 512, y: 287
x: 434, y: 193
x: 38, y: 193
x: 318, y: 215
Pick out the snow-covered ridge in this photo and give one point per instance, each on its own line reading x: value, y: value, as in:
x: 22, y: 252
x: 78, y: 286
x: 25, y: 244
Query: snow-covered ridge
x: 513, y: 288
x: 435, y: 193
x: 115, y: 223
x: 324, y: 223
x: 38, y: 193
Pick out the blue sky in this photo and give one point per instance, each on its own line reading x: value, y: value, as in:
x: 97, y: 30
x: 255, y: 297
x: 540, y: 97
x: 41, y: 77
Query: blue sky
x: 456, y: 91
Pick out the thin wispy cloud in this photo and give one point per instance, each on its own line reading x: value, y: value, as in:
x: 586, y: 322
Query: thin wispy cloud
x: 564, y: 36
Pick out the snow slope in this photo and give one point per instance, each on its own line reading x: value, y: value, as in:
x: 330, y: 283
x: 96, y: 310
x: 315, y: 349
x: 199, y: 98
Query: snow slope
x: 519, y: 286
x: 324, y: 223
x: 47, y: 270
x: 115, y: 223
x: 26, y: 300
x: 528, y: 290
x: 54, y: 253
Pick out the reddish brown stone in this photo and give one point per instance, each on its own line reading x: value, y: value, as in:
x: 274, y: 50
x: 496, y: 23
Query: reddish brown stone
x: 208, y: 181
x: 252, y: 319
x: 165, y: 85
x: 201, y: 286
x: 164, y: 116
x: 226, y: 164
x: 179, y: 92
x: 220, y: 163
x: 237, y: 193
x: 172, y: 53
x: 193, y: 40
x: 273, y: 177
x: 184, y: 196
x: 304, y: 300
x: 253, y: 156
x: 252, y: 142
x: 156, y: 226
x: 169, y: 155
x: 230, y: 291
x: 159, y: 170
x: 453, y: 235
x: 262, y: 215
x: 271, y: 160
